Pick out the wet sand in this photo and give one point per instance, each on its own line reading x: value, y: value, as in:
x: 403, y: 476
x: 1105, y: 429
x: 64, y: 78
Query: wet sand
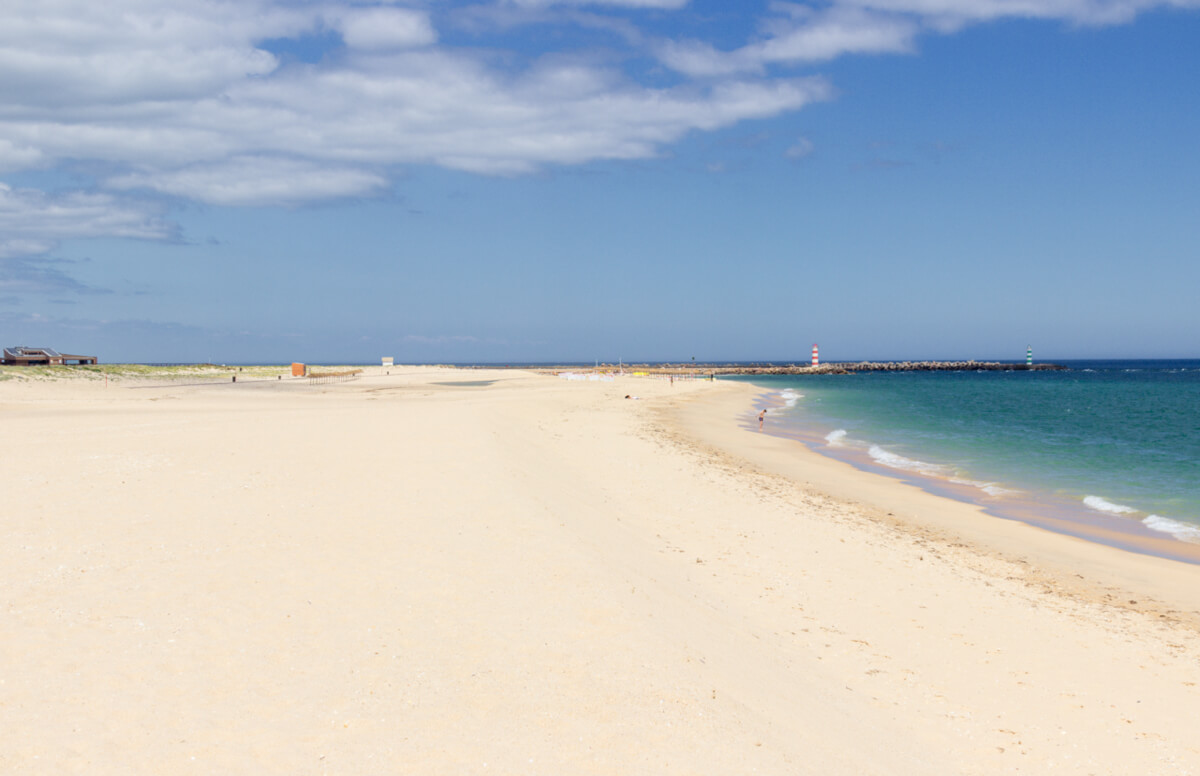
x: 1043, y: 510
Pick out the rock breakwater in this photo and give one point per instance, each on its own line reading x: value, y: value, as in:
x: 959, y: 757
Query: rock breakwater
x: 842, y: 368
x: 907, y: 366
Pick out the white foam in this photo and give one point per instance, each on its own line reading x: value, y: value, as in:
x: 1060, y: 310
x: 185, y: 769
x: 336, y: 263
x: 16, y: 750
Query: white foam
x: 790, y: 397
x: 894, y: 461
x: 990, y: 488
x: 1101, y: 505
x: 834, y: 438
x: 1182, y: 531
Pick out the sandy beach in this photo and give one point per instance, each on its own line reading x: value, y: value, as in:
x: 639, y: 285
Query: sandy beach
x: 442, y: 571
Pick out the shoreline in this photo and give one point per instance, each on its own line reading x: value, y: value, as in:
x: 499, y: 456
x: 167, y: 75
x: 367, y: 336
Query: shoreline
x: 1042, y: 510
x: 1097, y: 567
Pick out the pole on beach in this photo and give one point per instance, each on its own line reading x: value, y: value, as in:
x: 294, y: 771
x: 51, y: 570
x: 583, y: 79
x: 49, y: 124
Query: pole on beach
x: 815, y: 360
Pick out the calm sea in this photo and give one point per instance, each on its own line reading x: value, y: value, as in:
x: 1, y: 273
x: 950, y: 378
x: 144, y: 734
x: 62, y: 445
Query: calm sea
x: 1114, y: 439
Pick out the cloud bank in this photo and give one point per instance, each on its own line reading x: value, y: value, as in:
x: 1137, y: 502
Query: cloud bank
x: 796, y: 33
x: 197, y: 99
x: 32, y: 222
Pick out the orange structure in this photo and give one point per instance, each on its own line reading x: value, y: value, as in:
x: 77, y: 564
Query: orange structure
x: 299, y: 370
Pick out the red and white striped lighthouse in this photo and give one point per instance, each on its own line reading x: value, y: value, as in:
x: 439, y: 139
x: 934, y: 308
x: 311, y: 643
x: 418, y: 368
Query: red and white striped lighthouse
x: 815, y: 359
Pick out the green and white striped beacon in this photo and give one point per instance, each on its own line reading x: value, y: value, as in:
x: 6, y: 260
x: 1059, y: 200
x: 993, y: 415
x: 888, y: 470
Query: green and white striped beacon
x: 1029, y: 355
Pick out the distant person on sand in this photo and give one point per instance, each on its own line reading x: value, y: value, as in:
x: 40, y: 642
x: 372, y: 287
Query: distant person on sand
x: 761, y: 417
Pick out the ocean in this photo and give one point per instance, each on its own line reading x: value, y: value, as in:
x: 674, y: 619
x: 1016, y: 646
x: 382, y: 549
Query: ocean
x: 1115, y: 442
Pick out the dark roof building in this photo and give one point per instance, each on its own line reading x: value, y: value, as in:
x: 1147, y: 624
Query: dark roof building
x: 23, y: 355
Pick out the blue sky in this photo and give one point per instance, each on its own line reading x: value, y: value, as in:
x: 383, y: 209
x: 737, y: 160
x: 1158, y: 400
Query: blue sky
x: 541, y: 180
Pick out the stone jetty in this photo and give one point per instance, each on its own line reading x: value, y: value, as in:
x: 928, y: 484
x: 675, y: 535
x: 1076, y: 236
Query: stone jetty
x: 835, y: 368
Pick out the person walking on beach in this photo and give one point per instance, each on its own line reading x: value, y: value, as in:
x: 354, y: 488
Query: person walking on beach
x: 761, y: 417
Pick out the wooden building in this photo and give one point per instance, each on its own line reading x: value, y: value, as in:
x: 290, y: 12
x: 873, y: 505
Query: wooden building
x: 23, y: 355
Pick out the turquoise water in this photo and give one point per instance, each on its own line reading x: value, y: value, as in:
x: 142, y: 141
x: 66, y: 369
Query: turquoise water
x: 1116, y: 438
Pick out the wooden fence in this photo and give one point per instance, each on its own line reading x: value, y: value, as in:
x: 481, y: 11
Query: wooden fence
x: 321, y: 378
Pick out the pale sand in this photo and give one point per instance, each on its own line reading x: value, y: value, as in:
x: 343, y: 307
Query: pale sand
x: 540, y: 577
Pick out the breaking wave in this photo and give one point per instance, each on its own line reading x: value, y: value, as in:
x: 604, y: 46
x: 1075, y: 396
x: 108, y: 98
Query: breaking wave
x: 990, y: 488
x: 1102, y: 505
x: 894, y: 461
x: 1182, y: 531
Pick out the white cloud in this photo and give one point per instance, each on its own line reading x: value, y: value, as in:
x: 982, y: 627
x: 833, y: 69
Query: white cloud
x: 800, y: 34
x: 815, y: 37
x: 257, y: 181
x: 435, y: 108
x: 183, y: 98
x: 179, y: 98
x: 481, y: 19
x: 669, y: 5
x: 696, y: 58
x: 427, y: 107
x: 800, y: 149
x: 20, y: 248
x: 73, y: 53
x: 14, y: 156
x: 951, y: 13
x: 32, y: 223
x: 386, y: 28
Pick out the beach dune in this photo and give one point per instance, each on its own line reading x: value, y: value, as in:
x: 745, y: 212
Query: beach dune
x: 441, y: 571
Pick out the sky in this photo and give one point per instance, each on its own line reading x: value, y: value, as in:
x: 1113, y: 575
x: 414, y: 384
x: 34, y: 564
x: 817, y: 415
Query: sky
x: 507, y: 181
